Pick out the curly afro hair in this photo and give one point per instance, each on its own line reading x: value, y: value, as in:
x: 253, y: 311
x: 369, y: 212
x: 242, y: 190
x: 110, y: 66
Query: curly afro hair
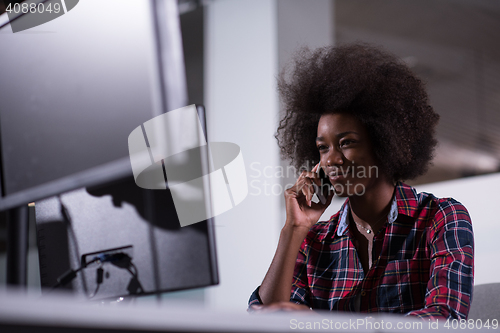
x: 370, y: 84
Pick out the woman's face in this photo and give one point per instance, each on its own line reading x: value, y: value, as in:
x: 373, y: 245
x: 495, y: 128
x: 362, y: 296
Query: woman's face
x: 346, y: 154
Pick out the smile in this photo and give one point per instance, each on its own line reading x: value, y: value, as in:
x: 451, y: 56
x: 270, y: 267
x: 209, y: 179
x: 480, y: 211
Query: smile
x: 338, y: 174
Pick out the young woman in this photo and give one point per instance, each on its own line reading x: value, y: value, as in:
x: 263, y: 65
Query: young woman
x: 363, y: 118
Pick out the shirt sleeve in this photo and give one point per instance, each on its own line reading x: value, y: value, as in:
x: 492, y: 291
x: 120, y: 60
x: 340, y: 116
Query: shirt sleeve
x: 451, y: 246
x: 254, y: 299
x: 300, y: 285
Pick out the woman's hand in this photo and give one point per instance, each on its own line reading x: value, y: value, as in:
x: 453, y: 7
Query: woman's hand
x: 280, y: 306
x: 300, y: 210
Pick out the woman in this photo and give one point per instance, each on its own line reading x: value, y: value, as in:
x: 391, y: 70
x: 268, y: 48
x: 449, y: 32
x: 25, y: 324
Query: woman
x: 363, y: 118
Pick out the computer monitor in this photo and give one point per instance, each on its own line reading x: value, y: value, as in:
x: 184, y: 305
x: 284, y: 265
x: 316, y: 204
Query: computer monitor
x: 139, y: 227
x: 73, y: 89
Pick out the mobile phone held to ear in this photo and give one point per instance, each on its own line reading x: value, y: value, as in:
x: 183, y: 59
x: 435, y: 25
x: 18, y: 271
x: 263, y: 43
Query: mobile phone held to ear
x: 319, y: 190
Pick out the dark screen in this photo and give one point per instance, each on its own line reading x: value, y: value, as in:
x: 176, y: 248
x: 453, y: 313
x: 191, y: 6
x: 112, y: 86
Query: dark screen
x: 71, y: 92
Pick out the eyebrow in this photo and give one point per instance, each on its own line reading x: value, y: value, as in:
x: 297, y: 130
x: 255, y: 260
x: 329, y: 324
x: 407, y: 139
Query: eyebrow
x: 320, y: 138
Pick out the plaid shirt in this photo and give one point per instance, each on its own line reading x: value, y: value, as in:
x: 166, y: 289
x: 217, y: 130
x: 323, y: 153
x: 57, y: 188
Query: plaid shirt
x: 423, y: 261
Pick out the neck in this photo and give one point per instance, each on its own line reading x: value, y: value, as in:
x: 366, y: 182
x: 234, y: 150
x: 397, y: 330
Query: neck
x: 372, y: 207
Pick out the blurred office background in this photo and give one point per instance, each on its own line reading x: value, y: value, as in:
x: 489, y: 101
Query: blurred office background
x: 234, y: 49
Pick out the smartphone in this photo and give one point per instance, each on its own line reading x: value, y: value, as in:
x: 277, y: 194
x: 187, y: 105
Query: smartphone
x: 319, y: 191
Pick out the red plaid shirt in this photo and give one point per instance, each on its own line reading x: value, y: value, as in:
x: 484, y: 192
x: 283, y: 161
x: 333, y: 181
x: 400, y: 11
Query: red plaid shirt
x: 424, y: 261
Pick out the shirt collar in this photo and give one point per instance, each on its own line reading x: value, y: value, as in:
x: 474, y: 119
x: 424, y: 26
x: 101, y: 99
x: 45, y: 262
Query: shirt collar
x: 401, y: 197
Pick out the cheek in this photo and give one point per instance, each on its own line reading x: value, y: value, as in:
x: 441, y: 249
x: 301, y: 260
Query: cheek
x: 352, y: 156
x: 359, y: 157
x: 365, y: 170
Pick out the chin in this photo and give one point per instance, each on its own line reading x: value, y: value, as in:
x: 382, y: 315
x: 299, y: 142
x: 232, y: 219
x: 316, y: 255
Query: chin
x: 340, y: 190
x: 341, y: 195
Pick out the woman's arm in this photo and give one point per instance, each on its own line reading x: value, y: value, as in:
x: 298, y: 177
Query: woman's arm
x: 277, y: 284
x: 302, y: 214
x: 449, y: 290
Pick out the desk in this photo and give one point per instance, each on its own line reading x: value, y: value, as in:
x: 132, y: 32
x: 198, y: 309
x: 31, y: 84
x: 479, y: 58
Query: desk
x: 59, y: 313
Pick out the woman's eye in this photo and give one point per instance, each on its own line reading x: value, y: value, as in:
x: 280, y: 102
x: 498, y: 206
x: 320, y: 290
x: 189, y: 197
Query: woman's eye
x: 321, y: 147
x: 345, y: 143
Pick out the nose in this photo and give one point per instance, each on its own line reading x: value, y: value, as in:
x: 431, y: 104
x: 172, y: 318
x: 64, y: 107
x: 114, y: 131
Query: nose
x: 334, y: 157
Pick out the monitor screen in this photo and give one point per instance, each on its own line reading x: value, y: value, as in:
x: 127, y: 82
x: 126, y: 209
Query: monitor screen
x: 140, y: 227
x: 126, y: 240
x: 72, y: 90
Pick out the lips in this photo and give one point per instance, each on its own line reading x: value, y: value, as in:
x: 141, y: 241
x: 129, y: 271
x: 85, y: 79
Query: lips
x: 337, y: 175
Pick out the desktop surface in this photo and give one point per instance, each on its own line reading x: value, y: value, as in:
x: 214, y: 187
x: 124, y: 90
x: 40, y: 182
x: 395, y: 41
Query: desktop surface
x: 58, y: 313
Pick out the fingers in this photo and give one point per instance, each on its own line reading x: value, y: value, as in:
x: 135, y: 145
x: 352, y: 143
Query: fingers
x: 301, y: 190
x: 280, y: 306
x: 304, y: 186
x: 308, y: 190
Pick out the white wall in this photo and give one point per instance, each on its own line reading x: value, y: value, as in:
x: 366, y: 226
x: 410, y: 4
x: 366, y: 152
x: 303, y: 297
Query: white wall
x: 246, y: 43
x: 480, y: 196
x: 301, y: 23
x: 242, y: 107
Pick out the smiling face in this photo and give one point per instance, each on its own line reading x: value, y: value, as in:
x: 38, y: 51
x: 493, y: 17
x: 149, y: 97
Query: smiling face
x: 346, y: 154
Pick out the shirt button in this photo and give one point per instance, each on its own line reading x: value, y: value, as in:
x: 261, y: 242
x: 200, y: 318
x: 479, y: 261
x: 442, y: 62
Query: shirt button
x: 363, y: 293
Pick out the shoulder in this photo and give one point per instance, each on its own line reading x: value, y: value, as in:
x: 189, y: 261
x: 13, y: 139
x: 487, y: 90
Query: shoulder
x: 451, y: 207
x: 322, y: 230
x: 420, y: 204
x: 445, y: 215
x: 451, y: 215
x: 445, y: 209
x: 430, y: 212
x: 320, y: 234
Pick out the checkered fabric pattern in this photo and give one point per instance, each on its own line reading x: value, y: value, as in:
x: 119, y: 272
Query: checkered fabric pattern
x: 423, y: 261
